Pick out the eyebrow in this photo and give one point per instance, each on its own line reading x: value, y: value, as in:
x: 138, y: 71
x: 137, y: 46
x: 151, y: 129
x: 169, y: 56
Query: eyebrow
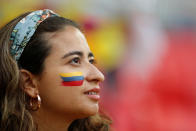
x: 76, y: 53
x: 90, y: 54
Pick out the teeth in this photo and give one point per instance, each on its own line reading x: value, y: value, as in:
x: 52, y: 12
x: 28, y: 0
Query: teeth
x: 92, y: 93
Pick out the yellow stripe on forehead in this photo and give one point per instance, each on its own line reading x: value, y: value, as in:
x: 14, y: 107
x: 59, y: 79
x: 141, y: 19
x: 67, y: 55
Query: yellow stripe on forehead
x: 71, y: 74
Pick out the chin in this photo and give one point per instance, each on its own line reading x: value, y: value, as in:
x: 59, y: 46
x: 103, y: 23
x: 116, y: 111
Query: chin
x: 90, y: 111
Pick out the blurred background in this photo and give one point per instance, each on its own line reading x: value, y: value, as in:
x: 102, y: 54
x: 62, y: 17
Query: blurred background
x: 147, y: 51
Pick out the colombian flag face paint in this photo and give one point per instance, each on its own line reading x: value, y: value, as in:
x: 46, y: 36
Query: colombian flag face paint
x: 72, y: 79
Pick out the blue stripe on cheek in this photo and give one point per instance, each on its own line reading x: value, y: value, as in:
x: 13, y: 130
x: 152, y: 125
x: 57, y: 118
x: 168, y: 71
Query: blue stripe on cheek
x: 73, y: 78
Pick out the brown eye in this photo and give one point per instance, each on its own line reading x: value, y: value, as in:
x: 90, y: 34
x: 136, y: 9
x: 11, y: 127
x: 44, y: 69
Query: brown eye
x: 92, y: 61
x: 75, y: 60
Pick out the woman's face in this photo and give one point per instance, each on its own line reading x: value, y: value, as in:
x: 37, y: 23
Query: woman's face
x: 69, y: 53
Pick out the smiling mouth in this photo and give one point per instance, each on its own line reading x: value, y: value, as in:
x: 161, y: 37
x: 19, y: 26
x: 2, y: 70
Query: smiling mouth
x: 93, y: 94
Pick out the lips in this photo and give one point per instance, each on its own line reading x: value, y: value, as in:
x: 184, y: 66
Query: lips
x: 93, y: 93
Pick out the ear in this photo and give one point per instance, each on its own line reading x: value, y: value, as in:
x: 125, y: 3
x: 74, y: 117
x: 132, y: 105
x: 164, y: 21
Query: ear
x: 30, y: 83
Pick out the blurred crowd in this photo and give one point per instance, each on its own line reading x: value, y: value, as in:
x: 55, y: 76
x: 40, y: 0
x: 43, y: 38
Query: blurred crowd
x: 147, y: 51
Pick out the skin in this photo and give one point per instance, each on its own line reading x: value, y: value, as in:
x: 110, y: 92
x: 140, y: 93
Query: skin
x: 62, y: 105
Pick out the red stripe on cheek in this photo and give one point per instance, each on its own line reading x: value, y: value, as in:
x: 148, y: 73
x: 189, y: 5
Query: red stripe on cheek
x: 72, y: 83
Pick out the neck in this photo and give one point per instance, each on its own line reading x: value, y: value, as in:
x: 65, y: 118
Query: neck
x: 48, y: 121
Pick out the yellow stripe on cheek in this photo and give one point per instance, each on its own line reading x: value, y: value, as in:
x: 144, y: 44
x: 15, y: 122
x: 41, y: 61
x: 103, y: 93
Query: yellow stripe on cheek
x: 71, y: 74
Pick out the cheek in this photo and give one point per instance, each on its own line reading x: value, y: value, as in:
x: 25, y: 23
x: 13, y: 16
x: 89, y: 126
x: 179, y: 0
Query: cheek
x: 72, y: 79
x: 56, y: 97
x: 65, y: 99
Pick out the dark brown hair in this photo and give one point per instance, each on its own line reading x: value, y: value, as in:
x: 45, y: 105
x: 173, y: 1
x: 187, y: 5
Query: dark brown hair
x: 14, y: 114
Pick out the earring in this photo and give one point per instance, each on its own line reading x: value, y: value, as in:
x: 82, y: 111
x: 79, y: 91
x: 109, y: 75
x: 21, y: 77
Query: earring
x: 38, y: 101
x: 35, y: 103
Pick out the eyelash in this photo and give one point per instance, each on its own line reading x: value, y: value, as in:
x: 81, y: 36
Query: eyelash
x: 93, y: 61
x: 73, y: 61
x: 77, y: 60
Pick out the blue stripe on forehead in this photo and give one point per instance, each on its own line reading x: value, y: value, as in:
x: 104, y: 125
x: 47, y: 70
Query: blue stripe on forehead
x: 25, y: 29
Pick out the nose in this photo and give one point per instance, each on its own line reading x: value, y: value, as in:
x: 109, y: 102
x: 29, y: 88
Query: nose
x: 94, y: 75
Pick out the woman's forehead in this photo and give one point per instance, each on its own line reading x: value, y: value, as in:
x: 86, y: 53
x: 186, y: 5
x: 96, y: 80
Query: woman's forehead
x: 68, y: 39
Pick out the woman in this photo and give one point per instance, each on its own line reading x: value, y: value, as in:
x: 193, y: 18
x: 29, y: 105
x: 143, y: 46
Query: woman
x: 48, y: 80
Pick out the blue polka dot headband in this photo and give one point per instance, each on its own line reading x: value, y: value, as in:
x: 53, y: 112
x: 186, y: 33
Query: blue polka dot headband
x: 24, y: 30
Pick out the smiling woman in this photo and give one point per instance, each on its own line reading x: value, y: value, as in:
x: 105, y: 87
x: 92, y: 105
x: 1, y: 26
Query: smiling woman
x: 48, y: 80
